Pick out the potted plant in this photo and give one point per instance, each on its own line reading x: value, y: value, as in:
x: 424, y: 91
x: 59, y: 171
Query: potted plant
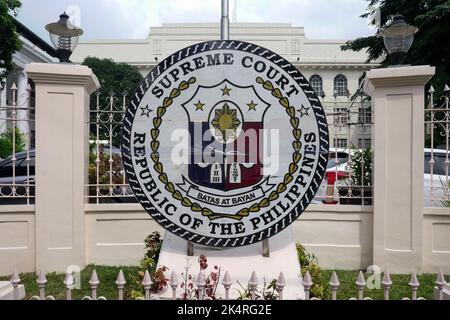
x: 358, y: 188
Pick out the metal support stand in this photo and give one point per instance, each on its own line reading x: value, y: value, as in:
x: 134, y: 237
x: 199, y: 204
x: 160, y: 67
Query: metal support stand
x: 266, y: 248
x: 190, y: 249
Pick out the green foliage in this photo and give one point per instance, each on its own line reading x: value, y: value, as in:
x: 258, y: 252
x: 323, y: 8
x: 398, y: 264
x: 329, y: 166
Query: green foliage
x: 148, y: 263
x: 9, y: 39
x: 103, y: 171
x: 116, y: 77
x: 362, y: 167
x: 6, y: 143
x: 432, y: 17
x: 267, y: 292
x: 309, y: 262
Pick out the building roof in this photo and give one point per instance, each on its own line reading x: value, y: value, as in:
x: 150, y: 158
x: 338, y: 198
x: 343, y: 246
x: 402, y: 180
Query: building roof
x: 34, y: 38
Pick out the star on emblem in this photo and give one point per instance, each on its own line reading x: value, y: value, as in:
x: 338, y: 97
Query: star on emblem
x: 252, y: 106
x: 146, y: 111
x: 226, y: 91
x: 303, y: 111
x: 199, y: 106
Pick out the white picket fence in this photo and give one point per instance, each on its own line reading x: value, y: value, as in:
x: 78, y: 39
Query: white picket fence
x: 226, y: 282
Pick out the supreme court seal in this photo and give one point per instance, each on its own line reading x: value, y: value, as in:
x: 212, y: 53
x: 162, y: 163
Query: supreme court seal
x: 225, y: 143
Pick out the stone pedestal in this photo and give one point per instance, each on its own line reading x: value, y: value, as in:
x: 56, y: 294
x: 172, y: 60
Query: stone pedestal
x: 239, y: 262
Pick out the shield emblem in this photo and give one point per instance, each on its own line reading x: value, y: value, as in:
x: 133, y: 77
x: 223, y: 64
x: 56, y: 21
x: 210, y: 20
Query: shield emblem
x: 226, y: 123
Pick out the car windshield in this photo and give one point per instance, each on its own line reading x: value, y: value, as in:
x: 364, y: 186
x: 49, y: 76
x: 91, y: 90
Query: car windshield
x: 336, y: 159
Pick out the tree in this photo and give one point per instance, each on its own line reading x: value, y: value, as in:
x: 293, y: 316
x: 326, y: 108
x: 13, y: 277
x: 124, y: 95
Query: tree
x: 430, y: 46
x: 9, y: 39
x: 118, y: 77
x: 6, y: 143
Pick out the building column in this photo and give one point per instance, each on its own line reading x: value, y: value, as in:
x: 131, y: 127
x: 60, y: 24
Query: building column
x: 398, y: 101
x: 22, y: 116
x: 62, y: 138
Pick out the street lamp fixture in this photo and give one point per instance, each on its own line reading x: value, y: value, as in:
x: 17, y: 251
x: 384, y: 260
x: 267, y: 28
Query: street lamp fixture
x: 64, y: 37
x: 398, y: 38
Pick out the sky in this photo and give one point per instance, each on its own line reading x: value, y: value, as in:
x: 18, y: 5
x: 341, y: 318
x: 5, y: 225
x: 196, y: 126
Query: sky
x: 131, y: 19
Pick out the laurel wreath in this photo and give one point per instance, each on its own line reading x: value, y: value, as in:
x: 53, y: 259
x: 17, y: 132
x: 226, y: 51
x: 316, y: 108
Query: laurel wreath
x: 195, y: 207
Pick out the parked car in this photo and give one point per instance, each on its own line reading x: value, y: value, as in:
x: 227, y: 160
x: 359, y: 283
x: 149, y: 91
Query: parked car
x: 24, y: 174
x: 435, y: 188
x: 337, y: 169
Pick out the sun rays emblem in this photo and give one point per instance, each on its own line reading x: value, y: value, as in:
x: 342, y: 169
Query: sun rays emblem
x: 226, y: 122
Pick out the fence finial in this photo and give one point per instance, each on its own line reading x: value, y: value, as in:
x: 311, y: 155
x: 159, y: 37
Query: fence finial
x: 253, y: 282
x: 414, y: 284
x: 201, y: 283
x: 147, y: 283
x: 42, y: 279
x: 15, y: 279
x: 173, y: 282
x: 387, y: 283
x: 227, y: 282
x: 120, y: 279
x: 94, y: 279
x: 253, y: 279
x: 446, y: 88
x: 120, y: 282
x: 334, y: 284
x: 69, y: 283
x: 307, y: 282
x: 360, y: 283
x: 440, y: 280
x: 440, y: 283
x: 431, y: 90
x: 281, y: 283
x: 334, y: 281
x: 227, y: 279
x: 386, y: 279
x: 14, y: 86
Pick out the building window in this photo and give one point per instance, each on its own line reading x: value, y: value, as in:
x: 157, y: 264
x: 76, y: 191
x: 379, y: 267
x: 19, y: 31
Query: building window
x: 317, y: 84
x: 364, y: 116
x: 364, y: 143
x: 340, y: 86
x: 340, y: 143
x: 340, y: 116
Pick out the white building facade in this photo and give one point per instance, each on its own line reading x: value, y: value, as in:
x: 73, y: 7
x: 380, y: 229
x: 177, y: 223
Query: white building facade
x: 333, y: 73
x: 34, y: 49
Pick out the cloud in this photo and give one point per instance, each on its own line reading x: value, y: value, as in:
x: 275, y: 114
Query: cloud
x: 325, y: 19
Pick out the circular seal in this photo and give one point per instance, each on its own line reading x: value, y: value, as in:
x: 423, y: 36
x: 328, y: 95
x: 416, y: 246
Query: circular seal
x: 225, y: 143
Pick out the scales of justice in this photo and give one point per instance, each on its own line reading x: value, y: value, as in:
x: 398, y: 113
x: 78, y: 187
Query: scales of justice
x: 221, y: 202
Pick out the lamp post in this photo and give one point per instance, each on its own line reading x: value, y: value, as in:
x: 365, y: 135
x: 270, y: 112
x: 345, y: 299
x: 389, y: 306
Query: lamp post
x: 398, y: 38
x: 64, y: 37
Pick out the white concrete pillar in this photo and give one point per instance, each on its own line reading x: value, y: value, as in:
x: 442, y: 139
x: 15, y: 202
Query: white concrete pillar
x: 398, y: 101
x: 62, y: 135
x: 22, y: 116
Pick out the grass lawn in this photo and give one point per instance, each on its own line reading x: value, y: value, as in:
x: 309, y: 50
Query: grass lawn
x: 108, y: 275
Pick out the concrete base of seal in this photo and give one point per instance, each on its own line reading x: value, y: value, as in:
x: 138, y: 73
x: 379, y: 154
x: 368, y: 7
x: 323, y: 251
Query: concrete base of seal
x: 239, y: 262
x: 7, y: 291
